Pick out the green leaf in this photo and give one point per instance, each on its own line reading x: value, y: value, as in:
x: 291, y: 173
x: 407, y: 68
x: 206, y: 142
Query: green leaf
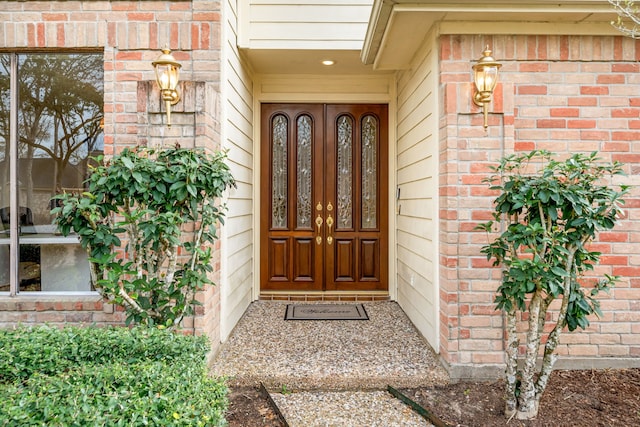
x: 544, y: 196
x: 127, y: 162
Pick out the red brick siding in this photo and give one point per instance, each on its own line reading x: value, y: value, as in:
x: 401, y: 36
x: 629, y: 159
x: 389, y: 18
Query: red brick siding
x: 58, y: 310
x: 566, y: 94
x: 130, y: 33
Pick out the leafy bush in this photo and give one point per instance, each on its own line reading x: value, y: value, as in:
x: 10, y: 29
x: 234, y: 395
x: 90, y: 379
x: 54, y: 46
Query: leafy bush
x: 111, y: 377
x: 49, y: 351
x: 548, y: 212
x: 163, y: 201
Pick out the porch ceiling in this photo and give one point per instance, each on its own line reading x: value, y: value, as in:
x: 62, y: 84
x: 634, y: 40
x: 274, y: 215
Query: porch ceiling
x: 398, y: 27
x: 290, y: 61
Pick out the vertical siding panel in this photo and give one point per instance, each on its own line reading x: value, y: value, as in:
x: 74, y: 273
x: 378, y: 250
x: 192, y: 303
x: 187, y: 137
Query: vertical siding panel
x: 417, y: 175
x: 237, y: 235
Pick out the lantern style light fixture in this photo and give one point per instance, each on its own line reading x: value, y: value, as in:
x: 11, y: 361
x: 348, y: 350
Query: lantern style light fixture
x: 167, y: 75
x: 485, y: 77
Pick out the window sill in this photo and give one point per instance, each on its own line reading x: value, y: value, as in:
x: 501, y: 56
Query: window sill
x: 90, y: 296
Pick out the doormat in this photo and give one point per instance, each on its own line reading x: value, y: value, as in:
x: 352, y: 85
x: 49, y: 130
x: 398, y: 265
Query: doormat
x: 326, y: 312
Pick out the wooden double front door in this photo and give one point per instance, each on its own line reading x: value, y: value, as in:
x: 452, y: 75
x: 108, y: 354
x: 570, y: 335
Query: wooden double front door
x: 324, y: 197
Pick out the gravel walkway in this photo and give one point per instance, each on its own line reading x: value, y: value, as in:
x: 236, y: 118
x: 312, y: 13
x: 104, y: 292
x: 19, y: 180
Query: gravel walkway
x: 328, y: 355
x: 335, y: 372
x: 346, y: 409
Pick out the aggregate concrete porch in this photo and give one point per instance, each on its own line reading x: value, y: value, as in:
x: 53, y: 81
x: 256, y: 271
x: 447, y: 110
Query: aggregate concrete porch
x: 328, y: 354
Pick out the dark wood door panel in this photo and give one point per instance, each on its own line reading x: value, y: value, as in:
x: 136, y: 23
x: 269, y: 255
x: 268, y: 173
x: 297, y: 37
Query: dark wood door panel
x: 303, y: 256
x: 345, y: 261
x: 278, y: 265
x: 323, y: 208
x: 290, y: 186
x: 357, y: 158
x: 369, y: 256
x: 356, y: 265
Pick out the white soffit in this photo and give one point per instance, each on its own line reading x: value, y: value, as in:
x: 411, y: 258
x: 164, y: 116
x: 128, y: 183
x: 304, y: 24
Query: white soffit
x: 398, y: 27
x: 303, y: 61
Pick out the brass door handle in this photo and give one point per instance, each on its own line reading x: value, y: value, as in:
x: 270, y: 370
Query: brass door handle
x: 329, y: 224
x: 319, y: 225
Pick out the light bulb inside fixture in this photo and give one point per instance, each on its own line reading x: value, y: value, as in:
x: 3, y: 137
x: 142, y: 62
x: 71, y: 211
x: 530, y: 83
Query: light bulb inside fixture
x: 164, y: 80
x: 328, y: 62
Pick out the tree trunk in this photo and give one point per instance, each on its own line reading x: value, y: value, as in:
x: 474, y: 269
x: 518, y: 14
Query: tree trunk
x: 531, y: 411
x: 511, y: 400
x: 28, y: 166
x: 549, y: 358
x: 528, y: 399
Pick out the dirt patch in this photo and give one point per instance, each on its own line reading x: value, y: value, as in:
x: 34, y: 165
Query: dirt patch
x: 573, y: 398
x: 248, y: 407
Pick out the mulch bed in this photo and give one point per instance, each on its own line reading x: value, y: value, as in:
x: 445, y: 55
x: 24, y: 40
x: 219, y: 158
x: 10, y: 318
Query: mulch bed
x: 248, y: 407
x: 573, y: 398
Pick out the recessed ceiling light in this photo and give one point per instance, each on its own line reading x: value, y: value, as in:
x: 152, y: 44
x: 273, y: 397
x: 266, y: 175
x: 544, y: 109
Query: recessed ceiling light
x: 328, y: 62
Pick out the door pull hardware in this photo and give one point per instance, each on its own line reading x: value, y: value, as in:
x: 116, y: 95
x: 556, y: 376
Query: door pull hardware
x: 329, y: 224
x: 329, y: 207
x: 319, y: 207
x: 318, y: 225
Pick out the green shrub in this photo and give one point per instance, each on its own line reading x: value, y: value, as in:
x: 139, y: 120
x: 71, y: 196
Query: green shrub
x: 50, y: 350
x: 548, y: 212
x: 107, y: 377
x: 165, y: 202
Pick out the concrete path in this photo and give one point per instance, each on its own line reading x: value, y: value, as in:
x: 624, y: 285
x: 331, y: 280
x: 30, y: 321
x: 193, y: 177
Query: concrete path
x: 333, y: 372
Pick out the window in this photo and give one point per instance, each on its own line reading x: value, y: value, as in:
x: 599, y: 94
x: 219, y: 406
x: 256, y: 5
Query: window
x: 51, y: 116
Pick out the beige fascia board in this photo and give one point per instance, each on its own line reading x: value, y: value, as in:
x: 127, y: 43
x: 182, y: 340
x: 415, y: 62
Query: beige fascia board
x: 421, y: 33
x: 380, y: 15
x: 551, y: 7
x: 243, y: 11
x: 384, y: 10
x: 528, y: 28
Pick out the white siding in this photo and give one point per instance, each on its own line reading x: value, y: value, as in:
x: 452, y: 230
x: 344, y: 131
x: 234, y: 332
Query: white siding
x: 304, y: 24
x: 237, y: 244
x: 311, y: 88
x: 417, y: 178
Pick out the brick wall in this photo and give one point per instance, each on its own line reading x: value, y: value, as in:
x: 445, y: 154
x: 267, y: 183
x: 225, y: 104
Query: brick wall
x: 58, y: 310
x: 564, y: 94
x: 130, y: 34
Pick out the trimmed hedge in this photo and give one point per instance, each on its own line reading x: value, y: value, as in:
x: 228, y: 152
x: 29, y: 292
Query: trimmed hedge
x: 107, y: 377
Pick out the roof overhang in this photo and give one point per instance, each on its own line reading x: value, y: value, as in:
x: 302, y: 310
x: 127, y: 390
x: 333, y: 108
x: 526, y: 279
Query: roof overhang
x: 397, y: 28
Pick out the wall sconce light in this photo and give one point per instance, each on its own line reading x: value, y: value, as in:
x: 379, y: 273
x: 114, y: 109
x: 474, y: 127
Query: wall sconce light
x: 167, y: 75
x: 485, y: 77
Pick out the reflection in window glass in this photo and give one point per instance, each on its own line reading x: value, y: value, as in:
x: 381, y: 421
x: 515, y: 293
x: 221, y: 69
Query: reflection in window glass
x: 60, y: 116
x: 5, y: 179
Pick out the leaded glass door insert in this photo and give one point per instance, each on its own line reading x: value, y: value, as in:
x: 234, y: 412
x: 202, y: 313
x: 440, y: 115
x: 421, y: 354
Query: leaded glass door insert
x: 323, y: 197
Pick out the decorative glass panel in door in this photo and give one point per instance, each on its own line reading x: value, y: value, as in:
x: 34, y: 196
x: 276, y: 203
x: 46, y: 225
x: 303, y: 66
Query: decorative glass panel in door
x: 369, y: 171
x: 345, y: 172
x: 279, y: 175
x: 303, y: 172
